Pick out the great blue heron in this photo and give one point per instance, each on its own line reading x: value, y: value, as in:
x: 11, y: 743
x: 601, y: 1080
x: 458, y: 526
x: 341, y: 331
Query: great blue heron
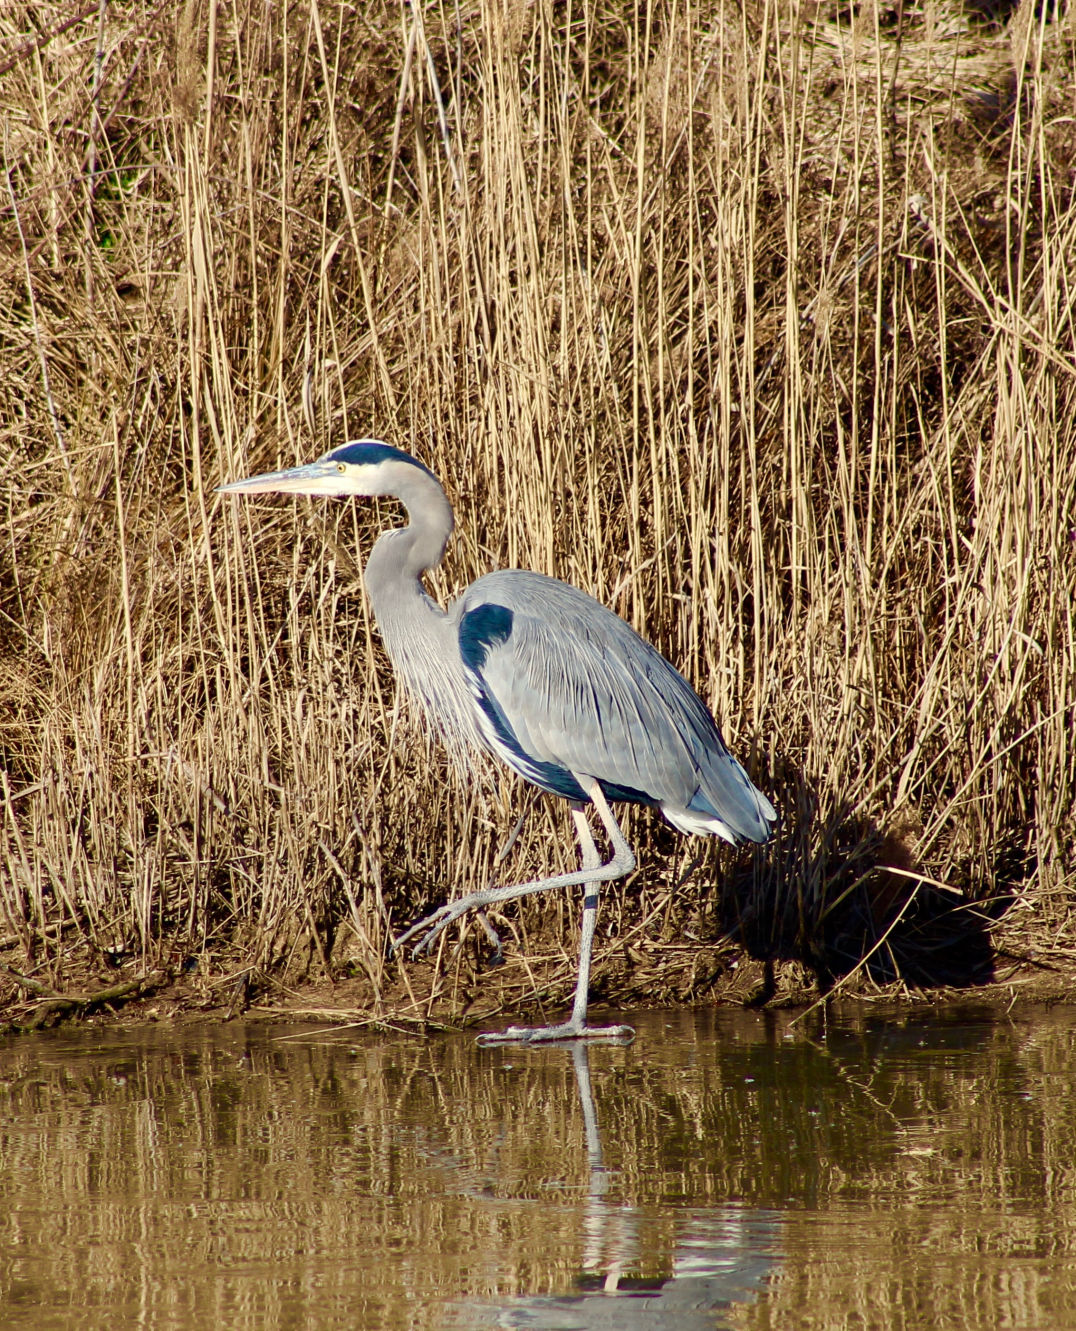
x: 547, y: 679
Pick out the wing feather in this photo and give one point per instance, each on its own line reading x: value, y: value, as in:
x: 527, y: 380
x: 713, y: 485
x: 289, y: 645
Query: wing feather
x: 563, y: 685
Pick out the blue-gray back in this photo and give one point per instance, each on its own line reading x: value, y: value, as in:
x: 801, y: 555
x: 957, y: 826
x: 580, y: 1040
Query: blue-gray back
x: 563, y: 685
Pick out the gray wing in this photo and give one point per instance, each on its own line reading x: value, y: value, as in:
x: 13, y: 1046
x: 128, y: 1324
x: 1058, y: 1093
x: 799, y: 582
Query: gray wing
x: 563, y: 685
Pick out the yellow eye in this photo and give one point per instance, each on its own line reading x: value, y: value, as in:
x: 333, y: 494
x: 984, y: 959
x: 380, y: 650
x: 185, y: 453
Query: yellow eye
x: 341, y: 468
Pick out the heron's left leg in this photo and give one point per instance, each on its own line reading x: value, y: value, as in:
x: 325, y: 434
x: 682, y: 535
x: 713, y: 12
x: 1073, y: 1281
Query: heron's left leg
x: 621, y: 862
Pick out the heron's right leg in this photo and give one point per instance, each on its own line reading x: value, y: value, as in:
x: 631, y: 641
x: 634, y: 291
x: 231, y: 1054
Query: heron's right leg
x: 590, y: 860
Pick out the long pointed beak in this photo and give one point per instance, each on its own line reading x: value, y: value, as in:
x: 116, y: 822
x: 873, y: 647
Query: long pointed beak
x: 323, y: 477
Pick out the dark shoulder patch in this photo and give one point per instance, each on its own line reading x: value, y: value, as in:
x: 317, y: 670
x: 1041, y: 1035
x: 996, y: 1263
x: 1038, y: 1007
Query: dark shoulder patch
x: 480, y: 629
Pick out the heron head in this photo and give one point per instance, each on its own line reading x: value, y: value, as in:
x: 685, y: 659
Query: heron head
x: 361, y: 467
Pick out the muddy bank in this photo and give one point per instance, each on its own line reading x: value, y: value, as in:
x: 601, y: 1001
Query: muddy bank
x: 425, y: 996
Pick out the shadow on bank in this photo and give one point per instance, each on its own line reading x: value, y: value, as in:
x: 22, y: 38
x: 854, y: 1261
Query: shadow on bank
x: 848, y: 896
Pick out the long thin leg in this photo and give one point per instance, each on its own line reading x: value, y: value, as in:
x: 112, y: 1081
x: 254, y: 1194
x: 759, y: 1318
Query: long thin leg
x: 591, y: 874
x: 590, y: 860
x: 576, y: 1028
x: 621, y: 863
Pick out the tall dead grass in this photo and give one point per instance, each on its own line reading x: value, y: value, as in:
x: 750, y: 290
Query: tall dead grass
x: 755, y: 321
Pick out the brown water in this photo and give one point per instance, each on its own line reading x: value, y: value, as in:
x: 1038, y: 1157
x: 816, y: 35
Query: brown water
x: 728, y: 1169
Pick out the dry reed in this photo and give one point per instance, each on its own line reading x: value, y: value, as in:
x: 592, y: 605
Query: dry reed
x: 755, y: 321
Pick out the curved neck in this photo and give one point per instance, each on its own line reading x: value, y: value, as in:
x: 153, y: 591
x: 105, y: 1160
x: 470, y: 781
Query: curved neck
x: 418, y: 635
x: 401, y: 556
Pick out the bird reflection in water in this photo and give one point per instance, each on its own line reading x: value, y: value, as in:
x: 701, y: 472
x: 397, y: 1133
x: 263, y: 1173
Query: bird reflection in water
x: 720, y: 1256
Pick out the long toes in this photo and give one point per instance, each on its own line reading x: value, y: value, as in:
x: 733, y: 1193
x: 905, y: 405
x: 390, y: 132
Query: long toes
x: 435, y: 925
x: 424, y: 944
x: 408, y: 934
x: 567, y: 1033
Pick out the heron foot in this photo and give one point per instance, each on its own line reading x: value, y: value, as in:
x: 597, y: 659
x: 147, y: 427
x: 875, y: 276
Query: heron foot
x: 434, y: 925
x: 568, y: 1030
